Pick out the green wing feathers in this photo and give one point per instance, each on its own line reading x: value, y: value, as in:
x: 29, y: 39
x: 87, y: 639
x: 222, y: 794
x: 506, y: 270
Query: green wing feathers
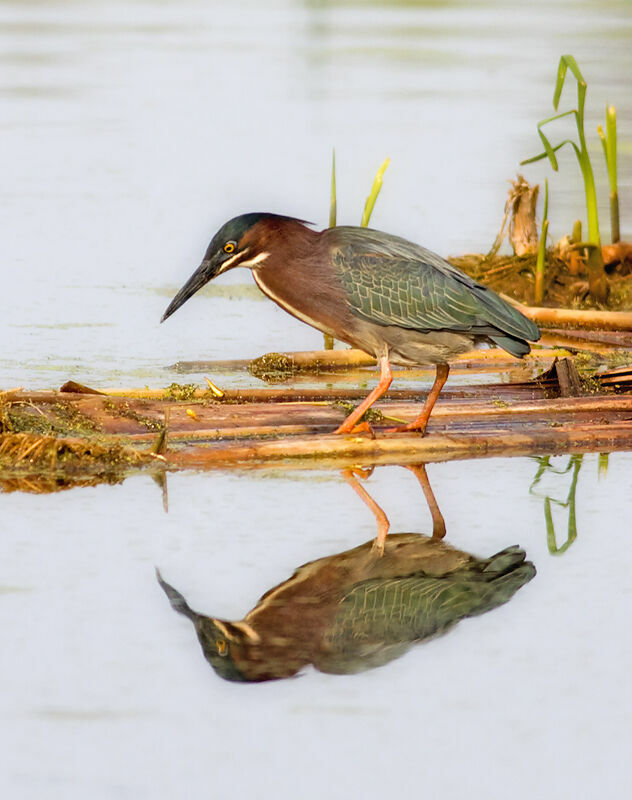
x: 418, y: 607
x: 394, y: 282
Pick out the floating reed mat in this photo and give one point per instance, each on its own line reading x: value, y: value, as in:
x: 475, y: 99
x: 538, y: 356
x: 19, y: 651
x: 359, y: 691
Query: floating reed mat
x: 557, y: 413
x: 338, y: 451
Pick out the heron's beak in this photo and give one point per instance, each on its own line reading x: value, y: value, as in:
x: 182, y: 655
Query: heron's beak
x: 207, y: 270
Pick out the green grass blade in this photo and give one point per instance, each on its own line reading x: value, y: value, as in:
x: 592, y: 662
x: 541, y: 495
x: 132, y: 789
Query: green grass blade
x: 559, y: 83
x: 576, y: 234
x: 568, y: 62
x: 375, y: 190
x: 540, y: 264
x: 540, y: 156
x: 609, y: 142
x: 604, y: 144
x: 333, y: 210
x: 611, y: 149
x: 550, y: 152
x: 333, y: 207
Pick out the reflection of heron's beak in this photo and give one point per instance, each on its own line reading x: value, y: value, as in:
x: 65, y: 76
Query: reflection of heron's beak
x: 178, y: 603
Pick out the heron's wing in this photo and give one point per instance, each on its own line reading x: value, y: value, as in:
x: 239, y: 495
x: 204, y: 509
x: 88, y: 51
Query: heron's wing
x: 394, y: 282
x: 378, y: 616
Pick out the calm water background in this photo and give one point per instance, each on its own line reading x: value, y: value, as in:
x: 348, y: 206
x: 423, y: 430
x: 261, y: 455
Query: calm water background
x: 129, y: 133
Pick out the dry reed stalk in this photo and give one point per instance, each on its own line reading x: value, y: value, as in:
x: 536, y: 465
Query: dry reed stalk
x: 319, y: 451
x: 512, y: 413
x: 559, y: 317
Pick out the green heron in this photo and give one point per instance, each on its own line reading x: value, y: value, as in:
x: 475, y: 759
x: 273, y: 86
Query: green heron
x: 385, y: 295
x: 354, y: 611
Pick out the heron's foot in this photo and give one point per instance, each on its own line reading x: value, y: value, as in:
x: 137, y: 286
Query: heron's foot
x: 420, y: 427
x: 362, y: 427
x: 364, y: 473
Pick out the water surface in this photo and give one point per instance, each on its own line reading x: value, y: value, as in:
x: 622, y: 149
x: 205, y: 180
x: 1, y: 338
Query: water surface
x: 131, y: 132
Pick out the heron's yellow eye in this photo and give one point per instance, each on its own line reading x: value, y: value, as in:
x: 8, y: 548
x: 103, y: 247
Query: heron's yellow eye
x: 229, y: 247
x: 222, y: 647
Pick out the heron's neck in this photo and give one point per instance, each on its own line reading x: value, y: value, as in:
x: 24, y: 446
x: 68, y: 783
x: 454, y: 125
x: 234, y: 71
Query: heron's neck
x: 285, y: 242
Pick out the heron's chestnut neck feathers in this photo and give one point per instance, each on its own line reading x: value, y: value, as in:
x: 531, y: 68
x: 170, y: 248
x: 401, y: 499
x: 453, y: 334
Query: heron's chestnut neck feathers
x: 286, y: 239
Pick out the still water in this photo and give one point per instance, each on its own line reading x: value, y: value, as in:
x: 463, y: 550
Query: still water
x: 130, y: 132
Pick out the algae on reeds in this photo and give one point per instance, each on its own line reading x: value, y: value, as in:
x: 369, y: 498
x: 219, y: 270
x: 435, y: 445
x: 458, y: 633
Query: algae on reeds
x: 122, y: 408
x: 272, y: 367
x: 181, y: 391
x: 58, y: 419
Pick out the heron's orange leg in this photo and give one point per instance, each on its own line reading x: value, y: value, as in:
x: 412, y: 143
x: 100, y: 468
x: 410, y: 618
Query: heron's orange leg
x: 438, y: 523
x: 383, y: 524
x: 419, y: 424
x: 386, y: 378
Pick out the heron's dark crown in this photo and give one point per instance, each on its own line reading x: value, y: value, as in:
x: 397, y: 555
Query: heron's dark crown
x: 237, y: 227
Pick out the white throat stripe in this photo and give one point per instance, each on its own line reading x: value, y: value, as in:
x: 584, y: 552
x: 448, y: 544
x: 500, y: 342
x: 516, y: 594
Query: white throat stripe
x: 252, y: 263
x: 228, y: 262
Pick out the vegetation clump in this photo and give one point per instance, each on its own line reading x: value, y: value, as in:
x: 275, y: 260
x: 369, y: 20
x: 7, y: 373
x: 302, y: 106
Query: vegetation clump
x: 124, y: 410
x: 181, y: 391
x: 272, y: 367
x: 56, y: 419
x: 53, y: 447
x: 33, y: 450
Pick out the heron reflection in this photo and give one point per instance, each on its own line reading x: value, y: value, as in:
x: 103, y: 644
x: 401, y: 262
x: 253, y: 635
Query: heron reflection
x: 361, y: 608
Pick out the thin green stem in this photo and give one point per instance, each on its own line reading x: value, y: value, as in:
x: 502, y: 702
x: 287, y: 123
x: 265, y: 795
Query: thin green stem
x: 609, y: 142
x: 333, y: 209
x: 375, y: 190
x: 540, y: 264
x: 589, y: 185
x: 333, y: 206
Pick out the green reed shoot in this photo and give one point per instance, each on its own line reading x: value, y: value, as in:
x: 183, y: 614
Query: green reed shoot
x: 375, y: 190
x: 576, y: 235
x: 609, y: 142
x: 567, y: 62
x: 333, y: 207
x: 333, y: 212
x: 540, y: 263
